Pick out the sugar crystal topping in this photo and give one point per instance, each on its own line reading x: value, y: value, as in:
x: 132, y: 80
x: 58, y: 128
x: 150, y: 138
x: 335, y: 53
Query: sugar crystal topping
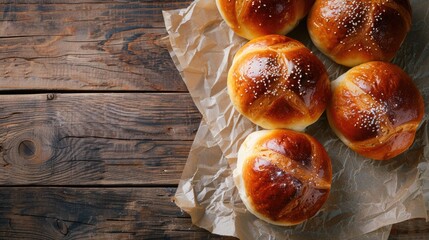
x: 262, y: 7
x: 358, y: 18
x: 373, y: 114
x: 274, y: 76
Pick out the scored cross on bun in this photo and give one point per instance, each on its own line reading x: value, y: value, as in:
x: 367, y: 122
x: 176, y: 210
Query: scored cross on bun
x: 255, y: 18
x: 352, y: 32
x: 283, y: 177
x: 375, y: 110
x: 276, y: 82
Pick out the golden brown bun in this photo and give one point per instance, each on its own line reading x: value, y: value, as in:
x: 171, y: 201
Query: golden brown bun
x: 276, y: 82
x: 375, y: 110
x: 355, y: 32
x: 255, y: 18
x: 283, y: 177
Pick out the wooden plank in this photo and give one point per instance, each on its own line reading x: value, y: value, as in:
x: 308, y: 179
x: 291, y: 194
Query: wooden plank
x: 83, y: 213
x: 114, y: 213
x: 87, y: 139
x: 416, y: 229
x: 90, y: 45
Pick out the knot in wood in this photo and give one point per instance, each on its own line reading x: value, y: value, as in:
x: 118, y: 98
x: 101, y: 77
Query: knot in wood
x: 50, y: 96
x: 27, y: 149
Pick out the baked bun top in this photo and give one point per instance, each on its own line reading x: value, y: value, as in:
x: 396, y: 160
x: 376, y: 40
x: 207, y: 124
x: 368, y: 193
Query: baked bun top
x: 375, y: 110
x: 276, y: 82
x: 352, y: 32
x: 255, y: 18
x: 283, y: 177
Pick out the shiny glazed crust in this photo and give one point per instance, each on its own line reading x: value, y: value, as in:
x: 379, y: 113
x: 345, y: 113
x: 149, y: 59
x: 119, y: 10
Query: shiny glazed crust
x: 276, y: 82
x: 283, y: 177
x: 352, y: 32
x: 375, y: 110
x: 255, y: 18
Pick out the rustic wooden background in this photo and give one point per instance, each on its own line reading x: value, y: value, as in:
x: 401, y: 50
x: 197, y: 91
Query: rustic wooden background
x: 96, y: 123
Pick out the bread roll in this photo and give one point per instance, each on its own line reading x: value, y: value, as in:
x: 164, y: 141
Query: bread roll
x: 283, y: 177
x: 255, y: 18
x: 276, y: 82
x: 354, y: 32
x: 375, y: 110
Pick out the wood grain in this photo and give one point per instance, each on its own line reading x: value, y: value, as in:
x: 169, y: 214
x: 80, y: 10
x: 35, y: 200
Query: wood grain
x: 83, y: 213
x: 113, y: 213
x: 415, y: 229
x: 86, y: 45
x: 96, y: 165
x: 86, y: 139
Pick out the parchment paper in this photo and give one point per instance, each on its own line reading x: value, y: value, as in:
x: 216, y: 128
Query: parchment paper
x: 367, y: 196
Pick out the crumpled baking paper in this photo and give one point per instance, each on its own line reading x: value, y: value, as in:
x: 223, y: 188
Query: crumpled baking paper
x: 366, y: 197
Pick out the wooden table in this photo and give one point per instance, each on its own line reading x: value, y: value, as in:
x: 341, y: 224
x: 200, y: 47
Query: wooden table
x: 96, y: 123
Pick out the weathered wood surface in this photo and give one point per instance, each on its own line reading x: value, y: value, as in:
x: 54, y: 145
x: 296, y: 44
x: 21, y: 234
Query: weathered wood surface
x: 86, y: 139
x: 112, y: 213
x: 83, y: 213
x: 86, y: 45
x: 416, y: 229
x: 103, y: 160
